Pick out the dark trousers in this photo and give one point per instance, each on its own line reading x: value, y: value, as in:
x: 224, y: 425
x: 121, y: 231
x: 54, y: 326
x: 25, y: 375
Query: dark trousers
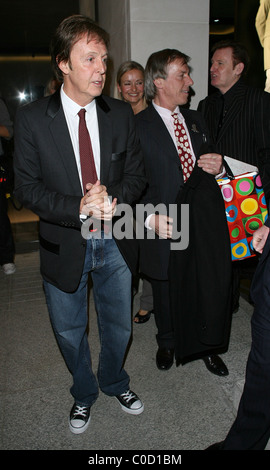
x: 243, y: 269
x: 7, y: 248
x: 251, y: 429
x: 163, y: 318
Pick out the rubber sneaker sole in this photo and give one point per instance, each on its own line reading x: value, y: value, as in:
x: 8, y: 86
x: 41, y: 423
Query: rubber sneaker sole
x: 130, y: 410
x: 80, y: 429
x: 79, y: 419
x: 129, y: 399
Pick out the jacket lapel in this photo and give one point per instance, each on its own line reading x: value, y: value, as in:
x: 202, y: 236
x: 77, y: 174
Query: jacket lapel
x: 60, y: 134
x: 196, y: 136
x: 233, y: 111
x: 105, y: 138
x: 160, y: 133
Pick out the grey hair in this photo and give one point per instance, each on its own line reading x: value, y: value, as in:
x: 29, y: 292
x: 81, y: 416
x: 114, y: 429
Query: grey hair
x: 156, y: 67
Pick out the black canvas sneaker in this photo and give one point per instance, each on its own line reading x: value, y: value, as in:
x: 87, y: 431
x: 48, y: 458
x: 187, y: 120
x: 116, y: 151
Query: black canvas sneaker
x: 79, y: 418
x: 130, y: 402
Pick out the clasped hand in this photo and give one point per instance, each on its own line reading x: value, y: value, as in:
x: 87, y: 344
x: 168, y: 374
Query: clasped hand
x: 96, y: 202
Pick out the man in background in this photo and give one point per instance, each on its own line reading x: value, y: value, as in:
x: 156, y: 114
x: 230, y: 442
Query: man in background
x: 238, y: 120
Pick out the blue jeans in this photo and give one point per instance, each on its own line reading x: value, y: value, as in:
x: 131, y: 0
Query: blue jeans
x: 69, y: 317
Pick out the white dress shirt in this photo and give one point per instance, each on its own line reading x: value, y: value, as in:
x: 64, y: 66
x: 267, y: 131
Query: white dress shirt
x: 71, y: 110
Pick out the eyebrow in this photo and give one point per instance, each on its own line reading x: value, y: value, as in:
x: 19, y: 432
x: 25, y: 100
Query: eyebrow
x: 96, y: 53
x: 186, y: 70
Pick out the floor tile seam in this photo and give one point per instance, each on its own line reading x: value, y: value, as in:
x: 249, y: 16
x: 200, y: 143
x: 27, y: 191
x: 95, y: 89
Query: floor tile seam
x: 24, y: 291
x: 29, y: 302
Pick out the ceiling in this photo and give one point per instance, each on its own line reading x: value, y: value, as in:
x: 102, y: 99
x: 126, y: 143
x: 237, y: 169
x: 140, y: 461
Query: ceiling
x: 26, y: 26
x: 222, y: 8
x: 222, y: 16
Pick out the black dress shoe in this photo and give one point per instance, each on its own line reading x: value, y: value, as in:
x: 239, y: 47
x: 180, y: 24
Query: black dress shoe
x: 216, y: 446
x: 164, y: 358
x: 215, y: 365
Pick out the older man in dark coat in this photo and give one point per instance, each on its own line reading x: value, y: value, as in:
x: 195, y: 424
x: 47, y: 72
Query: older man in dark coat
x: 167, y: 85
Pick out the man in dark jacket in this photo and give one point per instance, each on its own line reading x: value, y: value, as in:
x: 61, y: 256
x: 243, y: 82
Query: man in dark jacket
x: 238, y: 120
x: 168, y: 135
x: 51, y: 179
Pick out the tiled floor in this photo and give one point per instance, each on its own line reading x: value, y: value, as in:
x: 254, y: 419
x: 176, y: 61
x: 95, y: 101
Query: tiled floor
x: 186, y: 408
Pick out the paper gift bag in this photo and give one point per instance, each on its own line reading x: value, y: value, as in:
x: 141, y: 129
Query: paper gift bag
x: 246, y: 211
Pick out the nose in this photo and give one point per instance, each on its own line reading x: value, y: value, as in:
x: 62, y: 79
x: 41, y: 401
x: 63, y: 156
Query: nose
x: 189, y: 81
x: 101, y: 66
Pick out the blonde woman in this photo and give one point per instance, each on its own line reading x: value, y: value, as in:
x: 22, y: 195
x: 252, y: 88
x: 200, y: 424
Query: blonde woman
x: 130, y: 88
x: 130, y: 85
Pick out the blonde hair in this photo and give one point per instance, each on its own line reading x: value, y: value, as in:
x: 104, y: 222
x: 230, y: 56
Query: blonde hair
x: 123, y: 68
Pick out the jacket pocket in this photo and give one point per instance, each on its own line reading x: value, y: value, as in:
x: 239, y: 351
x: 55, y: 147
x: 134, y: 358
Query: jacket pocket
x: 116, y: 157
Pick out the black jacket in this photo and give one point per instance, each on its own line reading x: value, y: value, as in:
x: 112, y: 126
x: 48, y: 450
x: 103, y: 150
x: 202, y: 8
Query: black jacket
x: 245, y: 132
x: 47, y: 180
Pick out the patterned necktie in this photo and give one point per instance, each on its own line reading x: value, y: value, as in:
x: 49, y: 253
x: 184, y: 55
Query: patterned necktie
x: 183, y: 147
x: 88, y: 168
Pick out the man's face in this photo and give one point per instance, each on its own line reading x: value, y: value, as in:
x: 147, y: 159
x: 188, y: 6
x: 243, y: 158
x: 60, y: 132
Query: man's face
x: 174, y: 90
x: 85, y: 72
x: 223, y: 74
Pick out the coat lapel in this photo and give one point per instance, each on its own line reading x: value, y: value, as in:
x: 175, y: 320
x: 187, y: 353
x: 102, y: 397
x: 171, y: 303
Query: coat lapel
x: 105, y: 137
x: 160, y: 133
x: 198, y: 138
x: 60, y: 134
x: 233, y: 111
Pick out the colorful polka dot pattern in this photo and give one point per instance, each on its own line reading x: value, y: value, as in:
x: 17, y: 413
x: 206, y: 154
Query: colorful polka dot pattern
x: 246, y: 211
x: 183, y: 147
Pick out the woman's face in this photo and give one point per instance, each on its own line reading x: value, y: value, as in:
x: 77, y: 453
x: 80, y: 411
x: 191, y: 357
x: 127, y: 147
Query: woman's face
x: 132, y: 86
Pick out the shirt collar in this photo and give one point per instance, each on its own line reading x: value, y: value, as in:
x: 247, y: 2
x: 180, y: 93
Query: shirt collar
x: 229, y: 95
x: 166, y: 113
x: 72, y: 107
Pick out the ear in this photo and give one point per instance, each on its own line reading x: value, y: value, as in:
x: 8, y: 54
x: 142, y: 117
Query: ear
x: 158, y: 82
x: 119, y: 88
x: 64, y: 66
x: 239, y: 68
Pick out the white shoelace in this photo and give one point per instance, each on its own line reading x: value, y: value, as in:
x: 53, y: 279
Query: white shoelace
x: 128, y: 395
x: 80, y: 411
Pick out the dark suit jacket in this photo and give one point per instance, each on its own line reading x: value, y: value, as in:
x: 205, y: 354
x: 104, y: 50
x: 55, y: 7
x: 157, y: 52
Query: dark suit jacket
x: 200, y: 275
x: 245, y: 133
x: 164, y: 176
x: 47, y: 180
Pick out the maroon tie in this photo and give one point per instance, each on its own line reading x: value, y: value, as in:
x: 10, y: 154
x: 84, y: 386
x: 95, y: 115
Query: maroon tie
x: 183, y: 147
x: 88, y: 168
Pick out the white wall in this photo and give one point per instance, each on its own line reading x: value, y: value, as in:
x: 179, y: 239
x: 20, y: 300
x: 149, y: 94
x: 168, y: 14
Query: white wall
x: 140, y: 27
